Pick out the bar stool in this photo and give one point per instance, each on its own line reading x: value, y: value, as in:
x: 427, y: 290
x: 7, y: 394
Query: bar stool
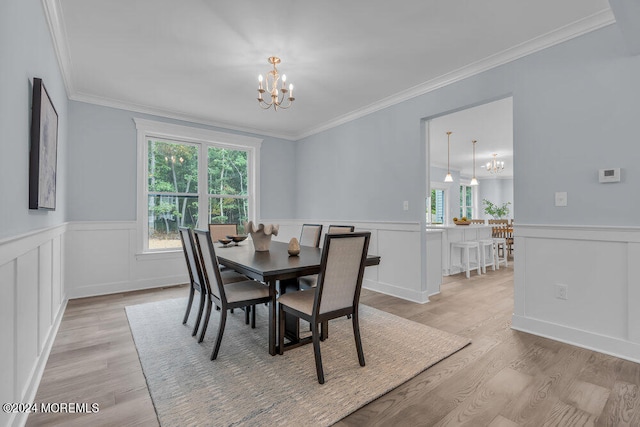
x: 465, y: 252
x: 500, y: 243
x: 487, y: 259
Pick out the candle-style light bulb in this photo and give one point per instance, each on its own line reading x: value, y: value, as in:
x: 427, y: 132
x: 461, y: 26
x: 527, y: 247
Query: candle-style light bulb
x: 260, y: 81
x: 284, y: 79
x: 290, y: 91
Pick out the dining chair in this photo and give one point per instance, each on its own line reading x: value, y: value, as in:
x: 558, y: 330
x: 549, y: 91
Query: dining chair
x: 477, y: 221
x: 196, y: 278
x: 335, y: 229
x: 226, y: 296
x: 221, y: 231
x: 310, y: 235
x: 336, y: 295
x: 310, y: 281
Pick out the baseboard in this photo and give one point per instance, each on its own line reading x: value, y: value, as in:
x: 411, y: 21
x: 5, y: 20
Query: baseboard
x: 394, y: 291
x: 128, y: 286
x: 38, y: 370
x: 588, y: 340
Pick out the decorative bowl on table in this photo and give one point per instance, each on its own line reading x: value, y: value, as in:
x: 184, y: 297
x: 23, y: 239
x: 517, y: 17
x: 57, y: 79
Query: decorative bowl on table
x: 237, y: 237
x: 462, y: 222
x: 225, y: 241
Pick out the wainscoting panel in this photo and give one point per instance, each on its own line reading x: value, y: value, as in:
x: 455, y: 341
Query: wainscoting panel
x: 31, y: 308
x: 596, y: 266
x: 101, y: 259
x: 7, y: 337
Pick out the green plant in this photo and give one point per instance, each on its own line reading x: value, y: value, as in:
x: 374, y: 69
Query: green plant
x: 497, y: 212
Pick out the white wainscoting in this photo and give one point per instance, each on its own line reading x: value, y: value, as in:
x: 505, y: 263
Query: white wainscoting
x: 598, y: 266
x: 399, y: 246
x: 101, y: 259
x: 32, y: 302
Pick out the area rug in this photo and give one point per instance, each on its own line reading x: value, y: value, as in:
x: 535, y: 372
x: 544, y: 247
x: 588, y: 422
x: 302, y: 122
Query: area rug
x: 247, y: 386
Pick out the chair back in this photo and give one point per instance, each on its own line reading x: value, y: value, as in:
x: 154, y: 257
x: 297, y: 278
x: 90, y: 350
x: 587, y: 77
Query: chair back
x: 310, y: 235
x: 341, y: 271
x: 209, y: 262
x: 221, y: 231
x: 498, y: 221
x: 340, y: 229
x: 192, y: 258
x: 477, y: 221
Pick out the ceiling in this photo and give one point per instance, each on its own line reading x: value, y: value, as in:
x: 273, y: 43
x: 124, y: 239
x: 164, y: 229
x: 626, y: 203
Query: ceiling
x: 491, y: 125
x: 199, y: 59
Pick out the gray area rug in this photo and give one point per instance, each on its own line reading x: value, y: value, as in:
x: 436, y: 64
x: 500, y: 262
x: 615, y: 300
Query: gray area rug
x: 247, y: 386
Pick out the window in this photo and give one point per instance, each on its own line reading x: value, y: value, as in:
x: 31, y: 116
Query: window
x: 192, y: 177
x: 466, y: 201
x: 437, y: 205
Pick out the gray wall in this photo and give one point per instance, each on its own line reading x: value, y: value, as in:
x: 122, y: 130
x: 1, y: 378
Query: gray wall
x: 575, y: 108
x: 102, y: 165
x: 26, y: 51
x: 497, y: 191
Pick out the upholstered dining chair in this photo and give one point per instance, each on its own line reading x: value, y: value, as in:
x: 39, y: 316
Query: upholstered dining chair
x: 337, y: 293
x: 310, y: 235
x: 337, y: 229
x: 310, y: 281
x: 226, y: 296
x: 195, y: 276
x: 221, y: 231
x: 196, y: 279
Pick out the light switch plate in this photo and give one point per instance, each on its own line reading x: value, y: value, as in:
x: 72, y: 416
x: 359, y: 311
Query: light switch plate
x: 561, y: 198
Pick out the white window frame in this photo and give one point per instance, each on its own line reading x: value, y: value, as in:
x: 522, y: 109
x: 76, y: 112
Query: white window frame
x: 204, y: 139
x: 474, y: 198
x: 439, y: 186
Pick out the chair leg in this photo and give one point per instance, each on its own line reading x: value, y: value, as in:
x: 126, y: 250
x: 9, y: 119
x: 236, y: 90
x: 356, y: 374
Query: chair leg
x: 356, y: 334
x: 223, y: 321
x: 316, y: 351
x: 206, y: 321
x: 199, y: 317
x: 186, y: 315
x: 247, y: 309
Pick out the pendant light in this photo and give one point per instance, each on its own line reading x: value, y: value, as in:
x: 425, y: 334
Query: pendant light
x: 448, y: 178
x: 474, y: 180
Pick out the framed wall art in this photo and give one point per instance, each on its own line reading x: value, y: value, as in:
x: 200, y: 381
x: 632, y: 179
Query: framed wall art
x: 44, y: 149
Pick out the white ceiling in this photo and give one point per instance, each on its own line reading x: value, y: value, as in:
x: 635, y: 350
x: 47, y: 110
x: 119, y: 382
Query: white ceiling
x: 199, y: 59
x: 491, y: 125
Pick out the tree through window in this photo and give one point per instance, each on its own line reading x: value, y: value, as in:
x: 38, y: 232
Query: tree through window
x: 192, y: 183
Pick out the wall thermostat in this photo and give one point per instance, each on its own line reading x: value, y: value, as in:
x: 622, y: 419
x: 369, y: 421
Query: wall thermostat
x: 609, y: 175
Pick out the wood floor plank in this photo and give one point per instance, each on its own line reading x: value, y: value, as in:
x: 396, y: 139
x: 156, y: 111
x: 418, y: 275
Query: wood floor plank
x: 505, y: 378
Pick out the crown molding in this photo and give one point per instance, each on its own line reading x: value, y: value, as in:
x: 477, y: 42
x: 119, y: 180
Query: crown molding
x: 55, y: 21
x: 568, y: 32
x: 177, y: 115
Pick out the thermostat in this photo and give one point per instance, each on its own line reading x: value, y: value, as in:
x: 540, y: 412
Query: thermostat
x: 609, y: 175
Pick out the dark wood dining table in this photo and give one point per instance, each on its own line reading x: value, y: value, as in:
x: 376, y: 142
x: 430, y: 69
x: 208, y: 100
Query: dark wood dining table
x: 278, y: 270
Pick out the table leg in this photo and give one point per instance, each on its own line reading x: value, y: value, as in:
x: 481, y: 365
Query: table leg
x: 272, y: 318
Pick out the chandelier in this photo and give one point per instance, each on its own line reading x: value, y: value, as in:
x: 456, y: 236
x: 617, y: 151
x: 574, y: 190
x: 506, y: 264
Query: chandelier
x: 495, y: 166
x: 448, y: 178
x: 271, y: 87
x: 474, y: 180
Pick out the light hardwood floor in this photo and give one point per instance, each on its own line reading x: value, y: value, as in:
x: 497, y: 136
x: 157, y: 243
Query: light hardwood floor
x: 504, y: 378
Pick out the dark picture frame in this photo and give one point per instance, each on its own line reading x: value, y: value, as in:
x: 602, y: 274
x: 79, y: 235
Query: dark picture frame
x: 43, y: 157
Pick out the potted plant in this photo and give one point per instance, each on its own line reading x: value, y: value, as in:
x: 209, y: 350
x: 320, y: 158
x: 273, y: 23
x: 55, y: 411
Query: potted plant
x: 497, y: 212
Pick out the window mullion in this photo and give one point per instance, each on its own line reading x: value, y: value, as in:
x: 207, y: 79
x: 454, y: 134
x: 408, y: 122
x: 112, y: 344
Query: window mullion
x: 203, y: 187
